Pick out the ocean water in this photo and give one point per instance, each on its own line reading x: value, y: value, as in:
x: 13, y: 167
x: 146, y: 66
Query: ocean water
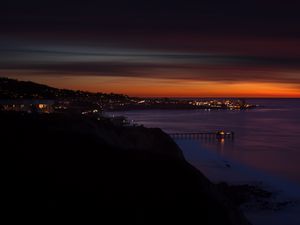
x: 266, y: 138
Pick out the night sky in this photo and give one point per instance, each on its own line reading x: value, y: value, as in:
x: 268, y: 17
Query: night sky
x: 155, y: 48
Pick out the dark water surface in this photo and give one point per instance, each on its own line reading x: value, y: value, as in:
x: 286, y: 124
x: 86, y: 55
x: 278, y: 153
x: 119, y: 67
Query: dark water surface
x: 266, y: 138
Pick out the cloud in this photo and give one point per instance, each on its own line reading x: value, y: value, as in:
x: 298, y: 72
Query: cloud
x: 212, y: 60
x: 225, y: 70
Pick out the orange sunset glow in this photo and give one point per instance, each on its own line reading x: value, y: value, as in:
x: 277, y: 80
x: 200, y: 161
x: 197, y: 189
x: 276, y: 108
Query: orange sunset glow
x: 150, y: 87
x: 150, y: 112
x: 162, y: 55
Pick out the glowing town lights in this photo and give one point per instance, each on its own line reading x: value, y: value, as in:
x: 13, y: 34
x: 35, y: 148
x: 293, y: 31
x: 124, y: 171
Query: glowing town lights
x: 41, y: 106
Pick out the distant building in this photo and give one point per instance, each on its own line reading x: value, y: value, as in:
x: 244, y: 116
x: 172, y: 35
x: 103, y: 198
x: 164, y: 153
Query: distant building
x: 30, y: 106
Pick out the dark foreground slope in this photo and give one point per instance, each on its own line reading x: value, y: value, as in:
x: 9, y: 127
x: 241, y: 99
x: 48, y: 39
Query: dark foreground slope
x: 71, y: 170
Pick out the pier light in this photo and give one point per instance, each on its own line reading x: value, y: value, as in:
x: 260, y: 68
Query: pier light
x: 41, y: 106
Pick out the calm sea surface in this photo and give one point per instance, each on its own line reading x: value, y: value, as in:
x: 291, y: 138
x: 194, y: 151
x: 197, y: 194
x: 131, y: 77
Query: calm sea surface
x: 266, y: 138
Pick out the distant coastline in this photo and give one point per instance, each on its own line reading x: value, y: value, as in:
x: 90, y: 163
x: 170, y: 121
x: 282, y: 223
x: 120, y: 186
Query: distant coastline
x: 20, y: 95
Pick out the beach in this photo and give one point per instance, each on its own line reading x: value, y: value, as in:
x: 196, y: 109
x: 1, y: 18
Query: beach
x: 218, y: 168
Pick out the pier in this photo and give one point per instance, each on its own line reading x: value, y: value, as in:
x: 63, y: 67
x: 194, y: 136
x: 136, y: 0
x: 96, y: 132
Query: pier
x: 203, y: 135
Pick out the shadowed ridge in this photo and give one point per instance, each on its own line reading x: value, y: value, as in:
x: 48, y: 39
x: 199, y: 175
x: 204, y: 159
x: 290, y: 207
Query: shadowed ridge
x: 59, y: 170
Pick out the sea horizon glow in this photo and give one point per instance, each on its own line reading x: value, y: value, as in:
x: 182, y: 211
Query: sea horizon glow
x: 169, y: 48
x: 149, y: 87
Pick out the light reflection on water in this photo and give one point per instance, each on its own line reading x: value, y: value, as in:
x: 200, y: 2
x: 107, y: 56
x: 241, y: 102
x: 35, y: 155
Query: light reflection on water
x: 266, y: 138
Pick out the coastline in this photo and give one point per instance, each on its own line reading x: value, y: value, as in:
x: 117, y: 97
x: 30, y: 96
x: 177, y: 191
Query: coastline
x: 221, y: 169
x: 82, y: 170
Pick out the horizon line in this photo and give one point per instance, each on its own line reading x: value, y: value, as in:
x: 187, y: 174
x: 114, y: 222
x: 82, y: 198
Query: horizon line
x: 160, y: 96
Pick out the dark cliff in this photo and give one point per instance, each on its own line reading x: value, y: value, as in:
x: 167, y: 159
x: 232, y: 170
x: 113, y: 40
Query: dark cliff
x: 72, y: 170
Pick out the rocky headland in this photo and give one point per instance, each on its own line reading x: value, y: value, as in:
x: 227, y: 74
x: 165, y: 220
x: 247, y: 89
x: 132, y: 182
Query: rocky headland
x: 79, y: 170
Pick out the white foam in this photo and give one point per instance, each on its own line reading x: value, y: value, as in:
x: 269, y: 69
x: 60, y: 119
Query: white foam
x: 219, y: 168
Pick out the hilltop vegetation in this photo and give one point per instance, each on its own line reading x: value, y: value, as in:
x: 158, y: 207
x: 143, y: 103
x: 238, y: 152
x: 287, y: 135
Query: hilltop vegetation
x: 15, y: 89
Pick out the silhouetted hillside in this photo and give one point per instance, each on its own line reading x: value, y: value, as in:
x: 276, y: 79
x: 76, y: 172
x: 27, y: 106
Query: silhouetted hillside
x: 14, y: 89
x: 74, y: 170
